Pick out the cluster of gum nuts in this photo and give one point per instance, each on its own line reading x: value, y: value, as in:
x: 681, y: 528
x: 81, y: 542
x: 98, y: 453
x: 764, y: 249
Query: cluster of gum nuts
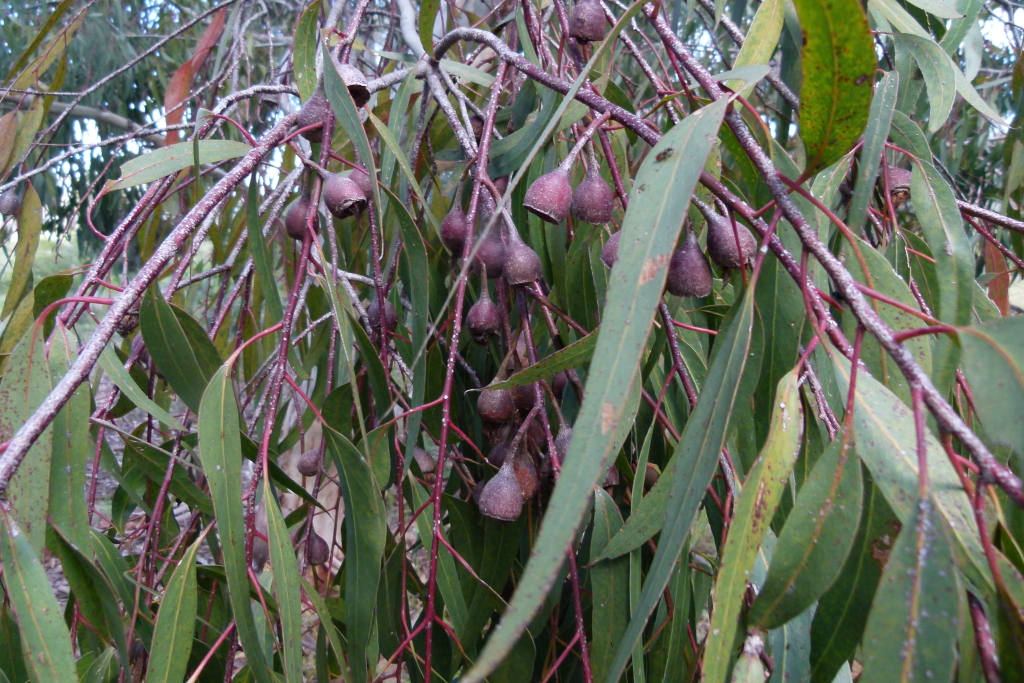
x: 498, y: 252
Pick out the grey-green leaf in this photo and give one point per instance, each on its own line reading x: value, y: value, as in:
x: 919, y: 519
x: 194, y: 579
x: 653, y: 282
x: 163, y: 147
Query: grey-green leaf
x: 175, y: 622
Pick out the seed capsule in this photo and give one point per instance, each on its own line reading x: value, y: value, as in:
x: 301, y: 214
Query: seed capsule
x: 498, y: 454
x: 363, y: 180
x: 317, y: 551
x: 295, y: 218
x: 425, y: 460
x: 526, y: 473
x: 688, y: 272
x: 550, y: 196
x: 314, y: 111
x: 522, y: 265
x: 390, y: 315
x: 343, y: 196
x: 484, y: 319
x: 899, y: 185
x: 490, y: 255
x: 722, y: 245
x: 309, y: 463
x: 594, y: 200
x: 10, y: 202
x: 455, y: 229
x: 495, y: 405
x: 501, y: 497
x: 587, y: 23
x: 356, y: 83
x: 610, y: 253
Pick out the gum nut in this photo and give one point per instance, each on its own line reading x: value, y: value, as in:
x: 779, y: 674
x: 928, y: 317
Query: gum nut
x: 501, y: 184
x: 483, y: 320
x: 587, y: 23
x: 342, y: 196
x: 558, y: 383
x: 491, y: 253
x: 390, y: 315
x: 550, y: 196
x: 610, y: 253
x: 260, y: 554
x: 356, y: 83
x: 594, y: 200
x: 313, y: 111
x: 309, y: 463
x: 526, y: 474
x: 651, y: 476
x: 522, y: 265
x: 501, y: 497
x: 455, y: 230
x: 363, y: 180
x: 611, y: 478
x: 498, y: 454
x: 722, y: 246
x: 688, y: 272
x: 316, y: 550
x: 425, y: 460
x: 10, y: 202
x: 562, y: 441
x: 295, y: 219
x: 495, y: 405
x: 524, y: 397
x: 477, y: 122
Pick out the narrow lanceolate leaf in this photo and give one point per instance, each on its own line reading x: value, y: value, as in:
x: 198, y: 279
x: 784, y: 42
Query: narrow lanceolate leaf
x: 609, y: 581
x: 71, y: 449
x: 30, y: 222
x: 175, y: 622
x: 26, y: 382
x: 111, y: 364
x: 762, y: 39
x: 938, y: 75
x: 167, y: 160
x: 220, y: 448
x: 838, y: 74
x: 287, y: 587
x: 261, y: 257
x: 883, y: 104
x: 695, y: 458
x: 692, y: 467
x: 762, y: 491
x: 813, y: 545
x: 943, y: 229
x: 650, y: 230
x: 58, y: 45
x: 304, y: 51
x: 44, y: 637
x: 887, y: 445
x: 425, y: 25
x: 572, y: 356
x: 186, y: 367
x: 912, y: 629
x: 993, y: 361
x: 842, y: 612
x: 365, y: 530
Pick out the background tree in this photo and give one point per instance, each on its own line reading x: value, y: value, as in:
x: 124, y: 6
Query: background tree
x: 512, y: 341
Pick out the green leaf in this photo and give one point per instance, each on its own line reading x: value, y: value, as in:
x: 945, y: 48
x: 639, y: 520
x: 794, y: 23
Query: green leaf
x: 813, y: 545
x: 287, y: 587
x: 111, y: 364
x: 571, y: 356
x: 938, y: 75
x: 843, y: 610
x: 636, y: 285
x: 883, y: 104
x: 938, y: 8
x: 609, y: 581
x: 911, y: 633
x: 762, y: 491
x: 44, y: 636
x: 761, y: 41
x: 186, y: 365
x: 887, y: 443
x: 30, y: 222
x: 175, y: 622
x: 72, y: 449
x: 57, y: 47
x: 839, y: 61
x: 365, y: 530
x: 791, y: 647
x: 220, y: 449
x: 260, y: 249
x: 993, y: 362
x: 943, y: 229
x: 881, y: 277
x: 304, y: 51
x: 167, y: 160
x: 425, y: 23
x: 26, y: 383
x: 51, y: 20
